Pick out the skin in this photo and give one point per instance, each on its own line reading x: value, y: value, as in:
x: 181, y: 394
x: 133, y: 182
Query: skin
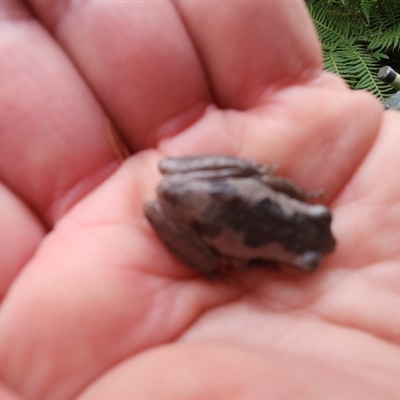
x: 93, y: 305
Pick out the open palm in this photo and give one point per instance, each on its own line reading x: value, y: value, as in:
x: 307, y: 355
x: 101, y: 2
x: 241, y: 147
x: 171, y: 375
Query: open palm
x: 93, y: 305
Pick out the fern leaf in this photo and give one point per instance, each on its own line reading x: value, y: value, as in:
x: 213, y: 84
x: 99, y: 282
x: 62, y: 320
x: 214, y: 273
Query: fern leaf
x: 354, y: 35
x: 366, y: 7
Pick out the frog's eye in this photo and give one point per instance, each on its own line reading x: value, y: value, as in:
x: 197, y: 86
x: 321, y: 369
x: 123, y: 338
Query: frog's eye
x: 320, y: 213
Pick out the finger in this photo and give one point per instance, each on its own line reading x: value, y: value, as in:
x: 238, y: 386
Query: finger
x: 138, y: 59
x: 20, y: 234
x: 151, y: 79
x: 53, y: 146
x: 252, y: 49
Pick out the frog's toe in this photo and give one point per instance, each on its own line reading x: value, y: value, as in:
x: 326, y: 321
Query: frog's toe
x: 185, y: 245
x: 308, y: 261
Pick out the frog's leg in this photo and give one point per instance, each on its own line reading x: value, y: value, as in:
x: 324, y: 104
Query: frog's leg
x: 212, y: 166
x: 241, y: 264
x: 289, y: 188
x: 182, y: 242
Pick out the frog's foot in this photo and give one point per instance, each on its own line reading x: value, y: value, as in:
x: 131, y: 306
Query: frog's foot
x: 213, y: 167
x: 241, y: 264
x: 182, y: 242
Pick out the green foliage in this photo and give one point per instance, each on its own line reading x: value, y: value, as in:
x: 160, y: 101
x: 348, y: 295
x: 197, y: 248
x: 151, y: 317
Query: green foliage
x: 355, y: 35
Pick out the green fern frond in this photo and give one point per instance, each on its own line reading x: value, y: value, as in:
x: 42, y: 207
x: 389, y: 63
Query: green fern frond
x: 385, y: 29
x: 334, y: 28
x: 357, y: 67
x: 388, y: 40
x: 366, y: 67
x: 336, y: 61
x: 366, y: 7
x: 354, y: 35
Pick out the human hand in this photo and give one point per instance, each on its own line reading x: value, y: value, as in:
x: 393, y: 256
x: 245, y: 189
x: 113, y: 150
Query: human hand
x: 102, y: 310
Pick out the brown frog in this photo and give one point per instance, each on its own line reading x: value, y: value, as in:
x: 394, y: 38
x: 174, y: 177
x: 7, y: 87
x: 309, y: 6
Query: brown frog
x: 215, y: 211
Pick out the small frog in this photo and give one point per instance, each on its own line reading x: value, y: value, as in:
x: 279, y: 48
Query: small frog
x: 217, y: 213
